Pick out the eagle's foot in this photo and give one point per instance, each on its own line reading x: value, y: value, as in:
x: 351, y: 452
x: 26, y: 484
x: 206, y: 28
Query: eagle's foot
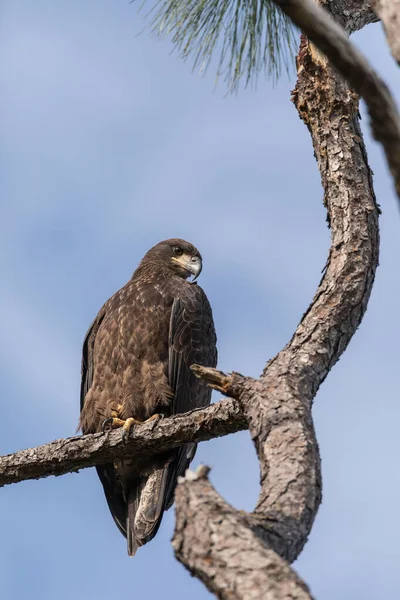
x: 154, y: 417
x: 130, y: 422
x: 116, y: 412
x: 115, y: 422
x: 127, y: 426
x: 106, y: 425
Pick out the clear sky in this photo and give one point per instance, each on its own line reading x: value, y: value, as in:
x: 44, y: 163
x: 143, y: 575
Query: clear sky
x: 109, y: 144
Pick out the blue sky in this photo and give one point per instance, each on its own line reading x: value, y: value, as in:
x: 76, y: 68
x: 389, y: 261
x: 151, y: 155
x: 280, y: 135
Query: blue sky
x: 109, y: 143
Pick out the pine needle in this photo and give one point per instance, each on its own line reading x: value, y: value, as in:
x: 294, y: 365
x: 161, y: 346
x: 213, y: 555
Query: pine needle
x: 252, y: 35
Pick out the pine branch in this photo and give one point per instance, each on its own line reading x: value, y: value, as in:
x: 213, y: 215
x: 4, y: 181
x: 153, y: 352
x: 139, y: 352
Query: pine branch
x: 250, y: 35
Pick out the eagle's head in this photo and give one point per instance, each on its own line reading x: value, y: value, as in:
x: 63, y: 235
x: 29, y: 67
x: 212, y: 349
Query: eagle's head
x: 178, y: 256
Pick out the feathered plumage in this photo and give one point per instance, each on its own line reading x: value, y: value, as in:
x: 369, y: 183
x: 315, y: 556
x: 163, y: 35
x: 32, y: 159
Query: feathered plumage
x: 136, y: 359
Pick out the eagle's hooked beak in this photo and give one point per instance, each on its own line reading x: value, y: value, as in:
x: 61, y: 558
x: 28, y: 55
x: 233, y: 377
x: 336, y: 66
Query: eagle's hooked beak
x: 192, y: 264
x: 197, y: 266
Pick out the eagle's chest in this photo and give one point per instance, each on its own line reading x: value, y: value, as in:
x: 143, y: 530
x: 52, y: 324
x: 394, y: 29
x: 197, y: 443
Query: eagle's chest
x: 137, y: 357
x: 143, y: 329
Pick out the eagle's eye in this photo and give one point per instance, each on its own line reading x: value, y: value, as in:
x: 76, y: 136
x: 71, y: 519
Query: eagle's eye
x: 177, y: 250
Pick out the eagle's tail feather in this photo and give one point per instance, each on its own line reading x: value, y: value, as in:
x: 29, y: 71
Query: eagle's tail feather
x: 145, y: 509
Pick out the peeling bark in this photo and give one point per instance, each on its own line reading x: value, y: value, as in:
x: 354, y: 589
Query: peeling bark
x: 389, y: 13
x: 332, y: 40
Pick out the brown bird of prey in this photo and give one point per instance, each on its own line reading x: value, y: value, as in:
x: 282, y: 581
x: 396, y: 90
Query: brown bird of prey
x: 136, y: 365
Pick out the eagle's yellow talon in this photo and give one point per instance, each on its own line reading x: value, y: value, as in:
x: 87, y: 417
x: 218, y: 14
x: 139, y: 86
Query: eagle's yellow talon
x: 116, y: 412
x: 153, y: 417
x: 107, y: 425
x: 130, y: 422
x: 127, y: 426
x: 115, y: 421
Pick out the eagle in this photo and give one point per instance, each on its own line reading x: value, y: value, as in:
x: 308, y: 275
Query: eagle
x: 136, y: 367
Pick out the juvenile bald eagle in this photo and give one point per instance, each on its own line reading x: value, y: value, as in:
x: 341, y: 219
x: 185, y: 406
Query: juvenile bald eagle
x: 135, y: 365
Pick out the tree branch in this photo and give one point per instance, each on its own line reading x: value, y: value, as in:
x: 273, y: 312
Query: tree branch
x: 278, y: 405
x: 389, y: 13
x: 354, y: 19
x: 79, y: 452
x: 251, y: 570
x: 331, y: 39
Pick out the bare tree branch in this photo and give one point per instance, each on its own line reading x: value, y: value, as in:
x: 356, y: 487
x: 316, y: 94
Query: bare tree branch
x: 251, y: 571
x: 331, y: 39
x: 278, y: 405
x: 68, y: 455
x: 389, y: 13
x: 354, y: 19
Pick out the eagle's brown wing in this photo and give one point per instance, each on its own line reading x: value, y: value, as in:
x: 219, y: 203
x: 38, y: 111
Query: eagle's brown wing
x: 192, y: 340
x: 137, y: 506
x: 87, y: 370
x: 106, y: 473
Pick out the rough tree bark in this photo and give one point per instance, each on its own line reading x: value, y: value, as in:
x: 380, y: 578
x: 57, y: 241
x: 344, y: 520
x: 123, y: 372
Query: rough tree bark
x: 278, y: 405
x: 79, y: 452
x: 389, y: 13
x: 247, y: 555
x: 331, y: 39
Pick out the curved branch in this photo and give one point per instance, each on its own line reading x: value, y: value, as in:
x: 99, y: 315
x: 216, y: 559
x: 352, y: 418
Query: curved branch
x: 79, y: 452
x: 331, y: 39
x: 246, y: 568
x: 353, y: 19
x: 278, y: 405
